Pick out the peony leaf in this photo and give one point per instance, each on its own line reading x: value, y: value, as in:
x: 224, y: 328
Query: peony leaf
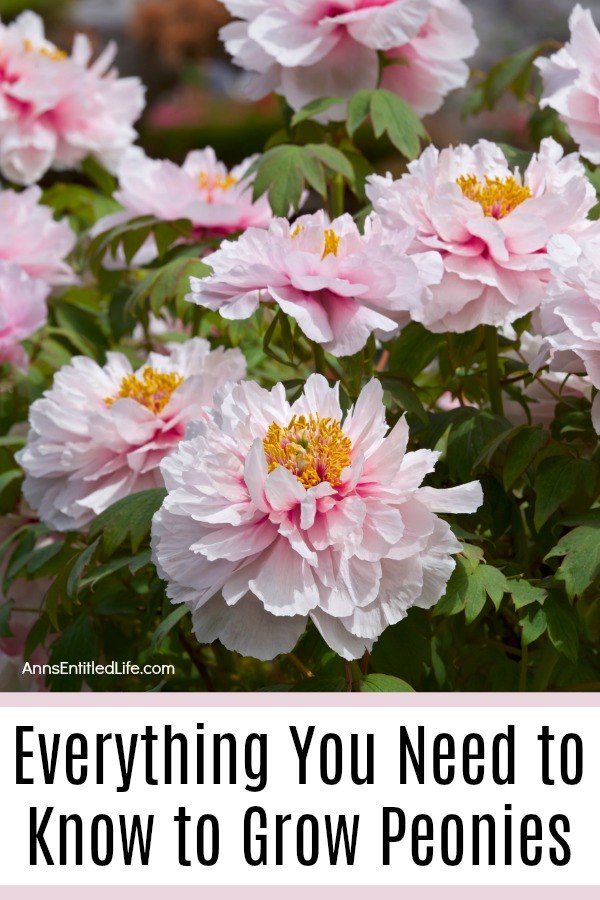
x: 314, y: 108
x: 393, y: 116
x: 533, y: 625
x: 521, y: 452
x: 127, y: 519
x: 524, y: 593
x: 373, y: 684
x: 562, y: 626
x: 580, y: 567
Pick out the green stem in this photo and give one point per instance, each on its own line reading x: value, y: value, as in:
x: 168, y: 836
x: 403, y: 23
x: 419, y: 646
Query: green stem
x: 337, y: 196
x: 493, y: 370
x: 320, y: 361
x: 197, y: 313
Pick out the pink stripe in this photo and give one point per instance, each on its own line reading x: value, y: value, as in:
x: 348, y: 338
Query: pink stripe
x: 423, y: 892
x: 273, y: 701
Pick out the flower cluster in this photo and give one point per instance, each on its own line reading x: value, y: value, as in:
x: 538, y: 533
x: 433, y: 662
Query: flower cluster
x: 55, y: 108
x: 309, y: 50
x: 33, y: 247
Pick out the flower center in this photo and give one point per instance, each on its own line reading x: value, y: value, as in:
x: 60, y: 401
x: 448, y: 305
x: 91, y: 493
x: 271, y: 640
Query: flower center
x: 216, y: 182
x: 496, y: 196
x: 153, y: 390
x: 332, y: 243
x: 53, y: 54
x: 313, y: 449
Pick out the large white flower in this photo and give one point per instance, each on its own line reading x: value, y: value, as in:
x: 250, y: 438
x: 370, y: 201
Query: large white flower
x: 490, y: 224
x: 100, y: 433
x: 278, y: 512
x: 339, y: 285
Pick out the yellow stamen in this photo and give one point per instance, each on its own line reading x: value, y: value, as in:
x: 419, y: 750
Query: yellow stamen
x: 213, y: 182
x: 332, y: 243
x: 54, y: 54
x: 313, y: 449
x: 496, y: 196
x: 153, y: 390
x: 296, y: 231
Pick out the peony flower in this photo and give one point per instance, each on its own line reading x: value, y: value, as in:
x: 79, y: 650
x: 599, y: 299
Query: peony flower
x: 570, y: 319
x: 339, y: 285
x: 490, y: 224
x: 56, y: 109
x: 22, y: 311
x: 317, y: 49
x: 571, y: 85
x: 433, y: 63
x: 215, y: 200
x: 100, y: 432
x: 32, y: 239
x: 277, y: 513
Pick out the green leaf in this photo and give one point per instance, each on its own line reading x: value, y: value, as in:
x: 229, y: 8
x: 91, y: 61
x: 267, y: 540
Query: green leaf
x: 358, y: 110
x: 314, y: 108
x: 5, y: 611
x: 533, y: 624
x: 557, y: 479
x: 128, y: 519
x: 580, y: 567
x: 562, y: 626
x: 78, y: 568
x: 524, y: 593
x: 280, y: 175
x: 521, y: 452
x: 167, y: 625
x: 372, y: 684
x: 392, y: 115
x: 494, y: 582
x: 413, y: 350
x: 332, y: 158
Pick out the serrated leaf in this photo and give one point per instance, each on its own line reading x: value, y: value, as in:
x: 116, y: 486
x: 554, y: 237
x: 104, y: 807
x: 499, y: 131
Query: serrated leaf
x: 524, y: 593
x: 392, y: 115
x: 533, y: 625
x: 495, y: 583
x: 372, y: 684
x: 562, y: 626
x: 581, y: 564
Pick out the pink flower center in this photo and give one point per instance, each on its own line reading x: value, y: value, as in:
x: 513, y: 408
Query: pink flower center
x: 496, y: 196
x: 313, y: 449
x: 153, y: 390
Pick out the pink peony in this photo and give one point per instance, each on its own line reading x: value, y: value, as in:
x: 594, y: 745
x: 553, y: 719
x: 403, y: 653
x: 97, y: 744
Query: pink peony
x: 317, y: 48
x: 32, y: 239
x: 215, y: 200
x: 56, y: 109
x: 339, y: 285
x: 433, y: 63
x: 100, y: 433
x: 571, y: 84
x: 279, y: 512
x: 570, y: 319
x: 490, y: 224
x: 22, y: 311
